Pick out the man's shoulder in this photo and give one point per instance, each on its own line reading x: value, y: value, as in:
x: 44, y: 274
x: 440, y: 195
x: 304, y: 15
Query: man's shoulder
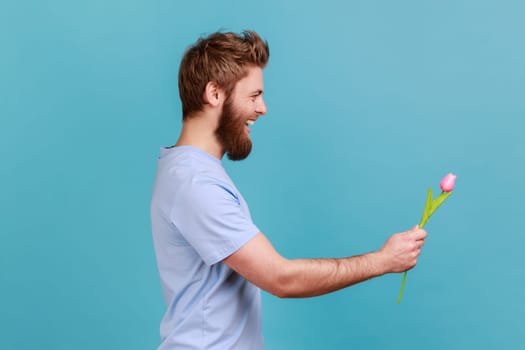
x: 189, y: 175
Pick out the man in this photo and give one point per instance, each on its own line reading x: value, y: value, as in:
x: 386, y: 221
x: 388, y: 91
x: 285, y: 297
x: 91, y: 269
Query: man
x: 212, y: 259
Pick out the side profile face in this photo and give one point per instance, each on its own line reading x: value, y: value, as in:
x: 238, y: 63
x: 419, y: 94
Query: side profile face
x: 240, y: 111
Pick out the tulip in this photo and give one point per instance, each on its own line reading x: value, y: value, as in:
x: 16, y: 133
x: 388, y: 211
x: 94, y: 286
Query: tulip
x: 447, y: 184
x: 431, y: 205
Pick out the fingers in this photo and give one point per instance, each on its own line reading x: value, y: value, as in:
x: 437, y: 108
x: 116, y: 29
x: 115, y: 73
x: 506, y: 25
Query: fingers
x: 418, y: 246
x: 417, y: 237
x: 417, y: 233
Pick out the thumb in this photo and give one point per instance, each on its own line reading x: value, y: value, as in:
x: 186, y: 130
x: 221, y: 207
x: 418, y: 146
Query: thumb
x: 412, y: 230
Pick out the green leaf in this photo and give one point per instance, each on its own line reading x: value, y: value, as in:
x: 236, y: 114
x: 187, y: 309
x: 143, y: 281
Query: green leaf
x: 440, y: 199
x: 437, y: 203
x: 427, y: 210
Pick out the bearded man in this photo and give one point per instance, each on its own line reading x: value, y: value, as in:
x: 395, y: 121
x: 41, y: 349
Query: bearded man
x: 211, y: 257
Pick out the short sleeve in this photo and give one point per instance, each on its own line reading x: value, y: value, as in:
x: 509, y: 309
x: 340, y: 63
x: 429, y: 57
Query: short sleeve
x: 213, y: 218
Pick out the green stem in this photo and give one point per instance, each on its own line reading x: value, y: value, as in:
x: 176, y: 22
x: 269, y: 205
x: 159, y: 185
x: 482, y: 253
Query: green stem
x: 402, y: 288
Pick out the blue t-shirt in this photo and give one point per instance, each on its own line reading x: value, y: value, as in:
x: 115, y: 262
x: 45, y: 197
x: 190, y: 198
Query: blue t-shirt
x: 199, y: 218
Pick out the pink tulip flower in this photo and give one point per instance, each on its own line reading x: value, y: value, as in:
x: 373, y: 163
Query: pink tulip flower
x: 447, y: 184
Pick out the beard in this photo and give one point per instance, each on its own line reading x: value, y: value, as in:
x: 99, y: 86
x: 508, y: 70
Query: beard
x: 231, y: 133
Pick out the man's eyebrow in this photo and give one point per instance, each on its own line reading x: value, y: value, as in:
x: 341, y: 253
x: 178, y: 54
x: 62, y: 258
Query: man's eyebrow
x: 257, y: 92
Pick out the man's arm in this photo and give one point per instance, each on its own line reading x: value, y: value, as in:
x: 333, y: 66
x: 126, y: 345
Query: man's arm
x: 261, y: 264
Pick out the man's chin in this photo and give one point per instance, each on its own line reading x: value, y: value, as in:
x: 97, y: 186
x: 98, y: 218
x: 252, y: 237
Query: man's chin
x: 240, y: 153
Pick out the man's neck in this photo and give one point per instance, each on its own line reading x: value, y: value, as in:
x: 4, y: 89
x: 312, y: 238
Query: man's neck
x: 198, y: 132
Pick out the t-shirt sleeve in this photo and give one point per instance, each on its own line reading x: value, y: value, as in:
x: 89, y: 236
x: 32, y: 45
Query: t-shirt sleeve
x: 210, y: 216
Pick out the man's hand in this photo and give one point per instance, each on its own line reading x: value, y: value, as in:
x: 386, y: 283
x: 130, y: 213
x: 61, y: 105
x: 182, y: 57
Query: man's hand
x: 401, y: 250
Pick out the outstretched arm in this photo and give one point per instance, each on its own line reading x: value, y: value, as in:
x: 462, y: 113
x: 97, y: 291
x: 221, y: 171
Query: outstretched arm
x: 262, y: 265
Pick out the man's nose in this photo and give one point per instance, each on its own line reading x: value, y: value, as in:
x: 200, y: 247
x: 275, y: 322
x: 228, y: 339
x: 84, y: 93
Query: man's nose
x: 261, y: 107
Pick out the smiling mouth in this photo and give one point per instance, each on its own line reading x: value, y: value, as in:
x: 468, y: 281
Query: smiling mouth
x: 249, y: 123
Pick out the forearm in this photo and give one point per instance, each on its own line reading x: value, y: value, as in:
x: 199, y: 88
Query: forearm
x: 311, y: 277
x: 258, y: 262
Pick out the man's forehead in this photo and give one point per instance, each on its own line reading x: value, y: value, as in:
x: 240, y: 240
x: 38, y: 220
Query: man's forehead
x: 252, y: 81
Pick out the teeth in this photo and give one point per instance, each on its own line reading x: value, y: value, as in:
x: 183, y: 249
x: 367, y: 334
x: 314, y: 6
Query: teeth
x: 249, y: 122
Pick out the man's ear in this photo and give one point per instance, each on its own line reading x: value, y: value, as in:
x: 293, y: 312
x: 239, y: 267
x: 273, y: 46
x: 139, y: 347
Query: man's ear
x: 213, y: 94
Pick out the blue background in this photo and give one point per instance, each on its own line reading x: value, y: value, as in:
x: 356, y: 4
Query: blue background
x: 370, y: 103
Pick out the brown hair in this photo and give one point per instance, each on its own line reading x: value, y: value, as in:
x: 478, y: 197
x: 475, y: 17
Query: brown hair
x: 222, y: 58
